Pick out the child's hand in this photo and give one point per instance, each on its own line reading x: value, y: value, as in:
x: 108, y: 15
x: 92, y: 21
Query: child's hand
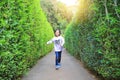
x: 47, y: 42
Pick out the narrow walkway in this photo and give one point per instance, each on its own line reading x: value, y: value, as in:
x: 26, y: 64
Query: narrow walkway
x: 71, y: 69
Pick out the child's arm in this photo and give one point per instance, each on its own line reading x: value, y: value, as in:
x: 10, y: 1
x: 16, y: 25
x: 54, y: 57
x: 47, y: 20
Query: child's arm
x: 63, y: 41
x: 50, y: 41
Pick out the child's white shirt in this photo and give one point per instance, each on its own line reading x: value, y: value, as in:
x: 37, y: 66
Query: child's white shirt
x: 58, y: 43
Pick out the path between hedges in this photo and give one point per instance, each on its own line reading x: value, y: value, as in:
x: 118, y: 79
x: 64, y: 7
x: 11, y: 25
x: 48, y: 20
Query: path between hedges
x: 71, y: 69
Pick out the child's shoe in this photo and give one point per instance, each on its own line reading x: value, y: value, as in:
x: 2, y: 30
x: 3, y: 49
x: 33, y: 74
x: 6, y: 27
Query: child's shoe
x: 57, y: 67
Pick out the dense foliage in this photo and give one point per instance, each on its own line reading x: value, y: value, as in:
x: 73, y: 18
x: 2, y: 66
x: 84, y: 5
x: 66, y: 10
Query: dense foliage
x: 57, y: 13
x: 24, y: 31
x: 93, y: 36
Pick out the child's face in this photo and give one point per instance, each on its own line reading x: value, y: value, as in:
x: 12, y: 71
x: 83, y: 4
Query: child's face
x: 57, y: 33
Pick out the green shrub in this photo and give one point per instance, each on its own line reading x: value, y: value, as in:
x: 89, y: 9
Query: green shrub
x: 95, y: 39
x: 24, y: 31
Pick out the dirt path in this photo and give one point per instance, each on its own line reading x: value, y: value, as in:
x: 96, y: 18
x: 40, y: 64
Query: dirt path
x: 71, y: 69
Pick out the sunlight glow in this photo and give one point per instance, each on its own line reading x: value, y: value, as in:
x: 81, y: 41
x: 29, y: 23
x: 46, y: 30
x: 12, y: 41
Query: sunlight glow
x: 69, y: 2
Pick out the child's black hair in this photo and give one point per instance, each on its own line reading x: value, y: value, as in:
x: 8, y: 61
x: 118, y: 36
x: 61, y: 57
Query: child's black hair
x: 58, y: 30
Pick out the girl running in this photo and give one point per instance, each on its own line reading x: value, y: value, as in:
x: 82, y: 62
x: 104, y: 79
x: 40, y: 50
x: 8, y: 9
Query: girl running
x: 58, y: 41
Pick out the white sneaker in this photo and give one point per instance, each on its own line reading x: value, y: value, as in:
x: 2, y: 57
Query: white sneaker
x: 57, y: 67
x: 59, y: 64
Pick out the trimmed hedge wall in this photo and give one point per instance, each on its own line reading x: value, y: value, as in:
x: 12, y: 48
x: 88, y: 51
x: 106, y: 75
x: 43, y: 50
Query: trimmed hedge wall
x: 94, y: 38
x: 24, y: 31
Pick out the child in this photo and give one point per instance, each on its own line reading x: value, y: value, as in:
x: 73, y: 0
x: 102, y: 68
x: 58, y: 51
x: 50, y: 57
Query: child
x: 58, y: 41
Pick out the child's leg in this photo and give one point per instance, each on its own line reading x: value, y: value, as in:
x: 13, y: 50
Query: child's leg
x: 59, y: 54
x: 56, y: 58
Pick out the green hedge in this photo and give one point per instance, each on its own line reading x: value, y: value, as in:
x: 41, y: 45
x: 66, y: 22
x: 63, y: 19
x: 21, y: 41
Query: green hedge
x: 94, y: 38
x: 24, y: 31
